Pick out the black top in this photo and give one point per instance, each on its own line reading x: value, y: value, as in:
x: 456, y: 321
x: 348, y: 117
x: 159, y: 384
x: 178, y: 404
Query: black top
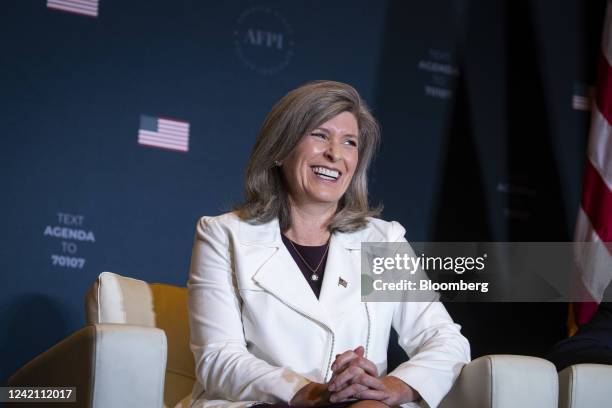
x: 312, y: 255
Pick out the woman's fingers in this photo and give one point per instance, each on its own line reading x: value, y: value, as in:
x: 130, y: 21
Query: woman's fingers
x: 344, y: 359
x: 352, y: 367
x: 367, y: 366
x: 357, y: 367
x: 369, y: 381
x: 347, y: 393
x: 370, y: 394
x: 354, y: 375
x: 345, y: 378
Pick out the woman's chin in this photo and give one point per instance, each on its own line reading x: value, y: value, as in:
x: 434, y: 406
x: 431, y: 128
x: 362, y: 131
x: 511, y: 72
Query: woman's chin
x: 325, y: 199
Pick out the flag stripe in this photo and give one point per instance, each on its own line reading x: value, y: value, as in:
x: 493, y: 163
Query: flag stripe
x: 161, y: 136
x: 146, y: 140
x: 584, y: 311
x: 73, y: 10
x: 175, y: 128
x: 85, y: 5
x: 172, y: 131
x: 604, y: 88
x: 594, y: 258
x: 89, y: 3
x: 163, y: 146
x: 600, y: 146
x: 597, y: 202
x: 161, y: 140
x: 174, y: 121
x: 167, y: 122
x: 78, y: 7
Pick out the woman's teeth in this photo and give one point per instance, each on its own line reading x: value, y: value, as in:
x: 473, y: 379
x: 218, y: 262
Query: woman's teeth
x: 326, y: 174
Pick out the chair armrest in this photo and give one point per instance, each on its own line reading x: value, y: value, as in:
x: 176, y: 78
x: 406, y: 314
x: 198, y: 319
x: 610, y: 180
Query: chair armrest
x: 504, y: 381
x: 585, y: 385
x: 112, y: 365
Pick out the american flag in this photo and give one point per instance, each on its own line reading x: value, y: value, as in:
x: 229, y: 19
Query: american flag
x: 164, y: 133
x: 594, y: 222
x: 86, y: 7
x: 582, y: 99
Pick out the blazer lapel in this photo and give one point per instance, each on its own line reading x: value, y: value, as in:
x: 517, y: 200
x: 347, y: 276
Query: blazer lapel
x: 273, y: 269
x: 341, y: 289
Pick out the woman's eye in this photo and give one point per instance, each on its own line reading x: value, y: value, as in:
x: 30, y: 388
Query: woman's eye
x: 321, y: 135
x: 351, y: 142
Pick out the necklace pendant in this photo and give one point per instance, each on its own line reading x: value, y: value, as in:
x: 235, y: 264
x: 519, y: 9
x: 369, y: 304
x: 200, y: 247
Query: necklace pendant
x: 314, y: 277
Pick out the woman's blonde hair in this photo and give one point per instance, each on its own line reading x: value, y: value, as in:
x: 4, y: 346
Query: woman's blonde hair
x: 295, y: 115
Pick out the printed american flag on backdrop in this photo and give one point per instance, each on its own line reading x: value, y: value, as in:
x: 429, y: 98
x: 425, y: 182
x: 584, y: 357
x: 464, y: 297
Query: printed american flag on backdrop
x: 594, y: 222
x: 163, y: 133
x: 86, y: 7
x: 582, y: 99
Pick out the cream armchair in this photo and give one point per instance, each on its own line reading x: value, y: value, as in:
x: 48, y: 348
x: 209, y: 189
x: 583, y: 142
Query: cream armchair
x: 585, y: 386
x: 117, y: 299
x: 135, y: 352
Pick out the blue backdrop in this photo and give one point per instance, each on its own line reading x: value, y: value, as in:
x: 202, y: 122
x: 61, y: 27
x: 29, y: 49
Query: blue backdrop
x: 480, y: 137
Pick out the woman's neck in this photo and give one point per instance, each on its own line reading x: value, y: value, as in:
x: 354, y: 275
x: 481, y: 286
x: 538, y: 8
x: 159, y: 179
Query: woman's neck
x: 309, y: 224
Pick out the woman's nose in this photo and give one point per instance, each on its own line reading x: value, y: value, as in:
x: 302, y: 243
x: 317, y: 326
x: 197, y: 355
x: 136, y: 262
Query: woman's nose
x: 333, y: 152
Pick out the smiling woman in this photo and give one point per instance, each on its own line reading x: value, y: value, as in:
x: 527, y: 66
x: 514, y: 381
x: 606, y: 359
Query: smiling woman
x: 326, y: 124
x: 274, y: 288
x: 321, y: 166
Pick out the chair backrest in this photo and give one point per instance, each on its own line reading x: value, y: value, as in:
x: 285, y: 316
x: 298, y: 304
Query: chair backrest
x: 504, y: 381
x: 117, y: 299
x: 585, y: 386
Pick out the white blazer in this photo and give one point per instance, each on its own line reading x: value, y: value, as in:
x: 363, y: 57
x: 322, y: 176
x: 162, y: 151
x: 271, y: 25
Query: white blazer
x: 258, y: 332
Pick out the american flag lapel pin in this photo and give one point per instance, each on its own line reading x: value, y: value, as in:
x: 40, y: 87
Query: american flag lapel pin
x: 342, y: 282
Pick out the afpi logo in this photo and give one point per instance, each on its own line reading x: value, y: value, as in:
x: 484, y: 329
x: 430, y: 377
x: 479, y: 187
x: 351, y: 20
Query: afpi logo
x: 263, y: 40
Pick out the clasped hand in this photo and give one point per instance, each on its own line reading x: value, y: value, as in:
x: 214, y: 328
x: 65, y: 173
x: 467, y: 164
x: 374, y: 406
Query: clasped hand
x: 355, y: 377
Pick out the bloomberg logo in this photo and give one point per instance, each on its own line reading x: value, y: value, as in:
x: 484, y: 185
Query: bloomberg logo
x: 263, y: 40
